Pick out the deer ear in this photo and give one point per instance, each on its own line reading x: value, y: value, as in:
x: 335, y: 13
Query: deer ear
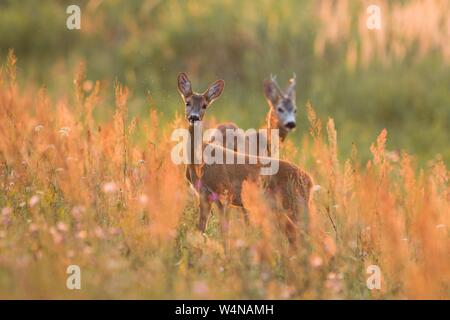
x: 214, y: 90
x: 290, y: 91
x: 271, y: 92
x: 184, y: 85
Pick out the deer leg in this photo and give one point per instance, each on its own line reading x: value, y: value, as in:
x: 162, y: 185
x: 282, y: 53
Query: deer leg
x: 224, y: 219
x: 291, y: 230
x: 296, y: 224
x: 245, y: 214
x: 205, y: 210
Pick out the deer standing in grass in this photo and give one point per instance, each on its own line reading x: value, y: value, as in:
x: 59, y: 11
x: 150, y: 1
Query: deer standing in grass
x: 281, y: 116
x: 222, y: 183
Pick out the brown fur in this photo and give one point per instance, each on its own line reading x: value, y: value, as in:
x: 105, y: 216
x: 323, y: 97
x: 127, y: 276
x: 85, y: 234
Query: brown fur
x: 222, y: 183
x: 272, y: 119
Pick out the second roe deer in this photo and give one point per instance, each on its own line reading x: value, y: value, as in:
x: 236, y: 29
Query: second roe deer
x: 281, y: 116
x: 222, y: 183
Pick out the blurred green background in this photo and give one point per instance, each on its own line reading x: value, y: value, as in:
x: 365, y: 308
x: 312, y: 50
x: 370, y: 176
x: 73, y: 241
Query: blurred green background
x: 396, y: 78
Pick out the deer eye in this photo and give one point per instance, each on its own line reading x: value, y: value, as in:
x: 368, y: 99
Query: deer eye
x: 280, y: 110
x: 204, y: 106
x: 188, y: 104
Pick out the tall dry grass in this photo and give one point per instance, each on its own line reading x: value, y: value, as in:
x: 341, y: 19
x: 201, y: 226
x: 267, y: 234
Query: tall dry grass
x: 107, y: 197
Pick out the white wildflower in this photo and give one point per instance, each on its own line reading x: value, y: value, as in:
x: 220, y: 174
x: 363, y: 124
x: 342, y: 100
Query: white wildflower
x: 6, y: 211
x: 143, y: 199
x: 64, y: 131
x: 33, y: 201
x: 316, y: 261
x: 109, y: 187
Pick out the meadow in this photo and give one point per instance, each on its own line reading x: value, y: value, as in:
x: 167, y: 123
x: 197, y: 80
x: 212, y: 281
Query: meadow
x: 87, y: 178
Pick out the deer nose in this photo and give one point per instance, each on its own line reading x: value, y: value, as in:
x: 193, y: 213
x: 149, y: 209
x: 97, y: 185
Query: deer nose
x: 193, y: 117
x: 290, y: 125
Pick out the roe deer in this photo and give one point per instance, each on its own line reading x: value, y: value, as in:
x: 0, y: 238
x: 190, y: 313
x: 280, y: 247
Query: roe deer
x: 281, y: 116
x: 222, y: 183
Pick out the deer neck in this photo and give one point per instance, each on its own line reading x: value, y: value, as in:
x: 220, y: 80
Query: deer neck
x: 193, y: 168
x: 272, y: 123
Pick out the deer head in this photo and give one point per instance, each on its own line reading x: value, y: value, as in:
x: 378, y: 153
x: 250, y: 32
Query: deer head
x: 282, y: 103
x: 197, y: 103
